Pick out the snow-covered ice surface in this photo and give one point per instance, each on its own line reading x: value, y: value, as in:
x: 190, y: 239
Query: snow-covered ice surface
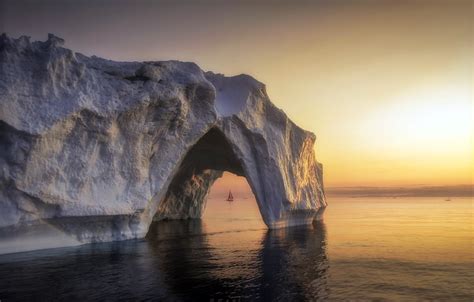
x: 98, y: 149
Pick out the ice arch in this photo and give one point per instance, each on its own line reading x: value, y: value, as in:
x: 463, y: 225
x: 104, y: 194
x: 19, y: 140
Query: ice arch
x: 201, y: 167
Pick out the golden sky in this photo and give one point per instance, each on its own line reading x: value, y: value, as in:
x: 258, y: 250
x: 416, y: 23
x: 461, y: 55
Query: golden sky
x: 385, y: 85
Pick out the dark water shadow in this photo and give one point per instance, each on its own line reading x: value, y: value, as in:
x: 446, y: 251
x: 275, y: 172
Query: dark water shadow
x: 291, y: 264
x: 178, y: 261
x: 295, y: 264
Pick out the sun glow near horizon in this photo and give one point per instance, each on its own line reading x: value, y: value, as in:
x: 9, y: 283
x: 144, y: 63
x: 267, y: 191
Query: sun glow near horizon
x: 421, y: 137
x: 429, y: 128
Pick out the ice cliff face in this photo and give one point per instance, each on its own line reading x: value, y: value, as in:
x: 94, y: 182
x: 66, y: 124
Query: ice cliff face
x: 98, y: 149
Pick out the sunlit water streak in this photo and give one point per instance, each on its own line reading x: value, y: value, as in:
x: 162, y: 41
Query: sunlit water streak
x: 366, y: 249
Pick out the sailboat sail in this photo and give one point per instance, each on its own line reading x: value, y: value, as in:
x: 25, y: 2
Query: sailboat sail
x: 230, y: 197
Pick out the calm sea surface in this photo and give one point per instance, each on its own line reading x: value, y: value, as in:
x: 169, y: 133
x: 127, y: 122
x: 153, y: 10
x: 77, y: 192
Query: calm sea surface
x: 365, y: 249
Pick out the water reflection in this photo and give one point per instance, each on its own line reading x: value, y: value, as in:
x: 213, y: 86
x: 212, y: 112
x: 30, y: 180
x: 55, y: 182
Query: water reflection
x: 282, y: 265
x: 179, y: 260
x: 295, y: 264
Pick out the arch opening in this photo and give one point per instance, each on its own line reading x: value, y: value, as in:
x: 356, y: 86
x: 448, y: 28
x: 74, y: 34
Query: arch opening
x: 204, y: 163
x: 242, y: 213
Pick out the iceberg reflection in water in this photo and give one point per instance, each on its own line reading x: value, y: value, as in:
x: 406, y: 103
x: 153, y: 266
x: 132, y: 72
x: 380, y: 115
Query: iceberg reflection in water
x: 178, y: 260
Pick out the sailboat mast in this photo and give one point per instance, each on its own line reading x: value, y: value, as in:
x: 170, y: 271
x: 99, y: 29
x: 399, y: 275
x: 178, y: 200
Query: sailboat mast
x: 230, y: 197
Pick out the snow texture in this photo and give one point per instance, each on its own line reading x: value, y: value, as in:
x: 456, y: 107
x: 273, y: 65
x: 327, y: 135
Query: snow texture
x: 97, y: 148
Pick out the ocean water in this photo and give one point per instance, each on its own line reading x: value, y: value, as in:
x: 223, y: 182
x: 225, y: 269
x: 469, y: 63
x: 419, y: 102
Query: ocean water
x: 365, y: 249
